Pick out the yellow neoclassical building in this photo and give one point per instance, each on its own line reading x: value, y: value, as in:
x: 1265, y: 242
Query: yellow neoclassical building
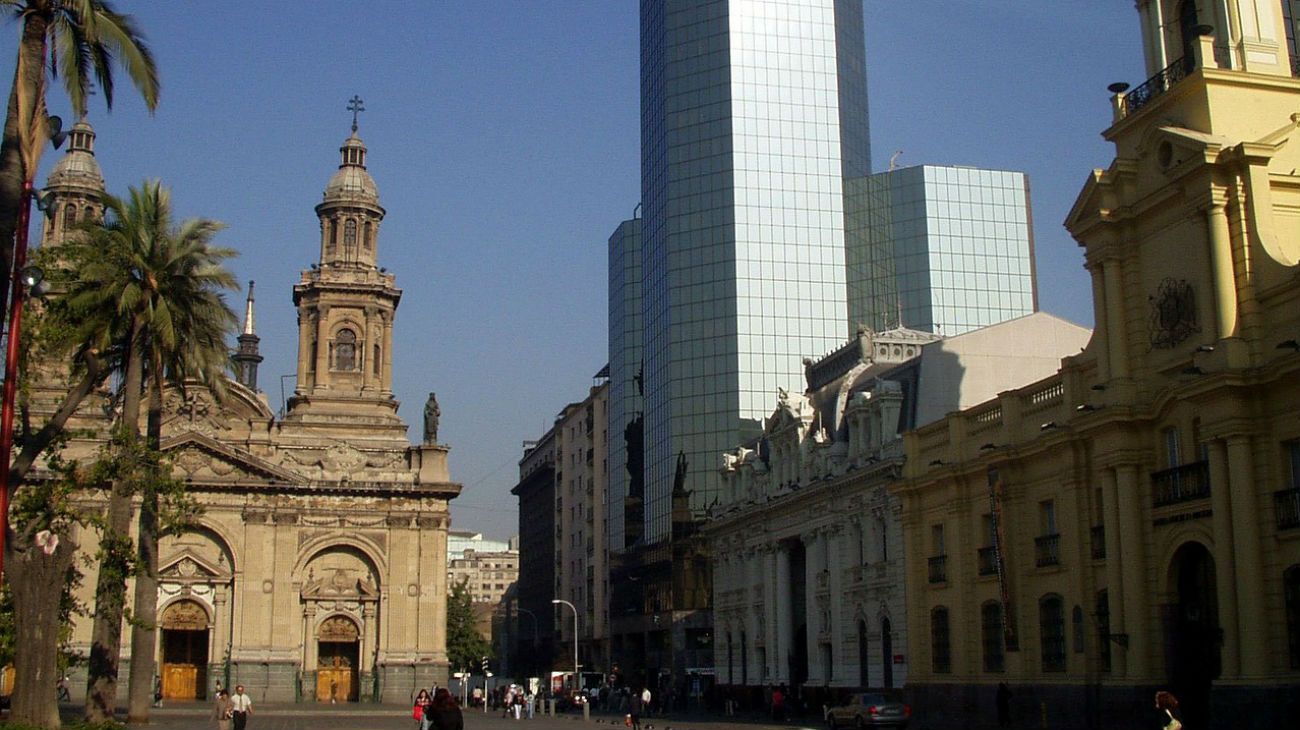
x: 318, y: 567
x: 1133, y: 523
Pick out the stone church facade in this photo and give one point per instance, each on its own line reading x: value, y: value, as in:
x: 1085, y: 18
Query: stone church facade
x: 317, y: 568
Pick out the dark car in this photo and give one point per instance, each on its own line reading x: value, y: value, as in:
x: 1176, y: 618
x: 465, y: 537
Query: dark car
x: 869, y: 710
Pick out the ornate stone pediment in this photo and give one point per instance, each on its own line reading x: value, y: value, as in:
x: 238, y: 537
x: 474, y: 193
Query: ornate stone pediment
x: 200, y: 457
x: 340, y: 583
x: 189, y: 567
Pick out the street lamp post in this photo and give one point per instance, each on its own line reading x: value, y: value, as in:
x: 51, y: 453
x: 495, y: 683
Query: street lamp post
x: 575, y: 638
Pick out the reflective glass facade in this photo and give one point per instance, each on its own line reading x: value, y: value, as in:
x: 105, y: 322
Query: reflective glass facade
x: 949, y: 249
x: 624, y: 366
x: 753, y: 116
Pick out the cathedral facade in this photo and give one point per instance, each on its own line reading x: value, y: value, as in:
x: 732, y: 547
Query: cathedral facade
x: 316, y: 570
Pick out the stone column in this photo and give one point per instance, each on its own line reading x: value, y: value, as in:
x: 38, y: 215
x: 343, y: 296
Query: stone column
x: 1253, y: 630
x: 1136, y: 616
x: 369, y: 637
x: 1225, y: 278
x: 220, y: 623
x: 770, y: 610
x: 812, y: 558
x: 309, y: 646
x: 322, y: 347
x: 1225, y: 569
x: 1114, y: 570
x: 1116, y: 331
x: 304, y: 350
x: 372, y: 336
x: 387, y: 369
x: 784, y: 614
x: 835, y: 536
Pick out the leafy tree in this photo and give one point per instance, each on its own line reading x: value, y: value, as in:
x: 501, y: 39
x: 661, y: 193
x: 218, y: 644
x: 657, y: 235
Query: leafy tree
x: 466, y: 647
x: 152, y: 291
x: 86, y: 36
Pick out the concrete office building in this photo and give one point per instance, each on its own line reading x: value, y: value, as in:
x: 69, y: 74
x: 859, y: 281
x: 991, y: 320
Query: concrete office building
x: 948, y: 249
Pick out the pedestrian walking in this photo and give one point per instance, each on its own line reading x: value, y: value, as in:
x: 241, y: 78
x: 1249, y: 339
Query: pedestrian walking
x: 530, y: 701
x: 634, y: 711
x: 418, y: 707
x: 444, y: 712
x: 1167, y: 704
x: 221, y: 710
x: 157, y: 691
x: 241, y: 706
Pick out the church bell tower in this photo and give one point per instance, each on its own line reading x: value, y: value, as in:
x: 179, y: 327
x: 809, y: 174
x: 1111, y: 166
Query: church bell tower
x: 346, y: 305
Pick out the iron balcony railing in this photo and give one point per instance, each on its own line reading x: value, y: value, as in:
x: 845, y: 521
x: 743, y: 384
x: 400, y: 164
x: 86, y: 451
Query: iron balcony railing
x: 1099, y: 542
x: 987, y: 560
x: 1286, y: 504
x: 1181, y: 484
x: 1158, y: 84
x: 939, y: 569
x: 1047, y: 550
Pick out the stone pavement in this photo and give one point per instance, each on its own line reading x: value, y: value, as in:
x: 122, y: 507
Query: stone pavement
x: 194, y: 716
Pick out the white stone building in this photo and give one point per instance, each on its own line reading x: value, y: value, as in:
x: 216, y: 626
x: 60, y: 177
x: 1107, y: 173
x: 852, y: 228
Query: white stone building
x: 806, y: 541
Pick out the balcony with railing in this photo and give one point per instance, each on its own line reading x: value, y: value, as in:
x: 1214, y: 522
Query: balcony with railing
x: 1286, y: 504
x: 1158, y: 84
x: 938, y: 569
x: 1180, y: 484
x: 987, y: 560
x: 1098, y: 534
x: 1047, y: 550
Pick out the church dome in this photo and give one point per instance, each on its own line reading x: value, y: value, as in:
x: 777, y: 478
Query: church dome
x: 78, y: 167
x: 352, y: 183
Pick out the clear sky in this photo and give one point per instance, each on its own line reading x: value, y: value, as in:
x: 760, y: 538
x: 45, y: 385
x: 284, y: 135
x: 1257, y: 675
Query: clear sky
x: 504, y: 138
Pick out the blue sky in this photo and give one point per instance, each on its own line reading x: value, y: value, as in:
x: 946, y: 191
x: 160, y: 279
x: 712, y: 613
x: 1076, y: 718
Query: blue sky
x: 503, y: 135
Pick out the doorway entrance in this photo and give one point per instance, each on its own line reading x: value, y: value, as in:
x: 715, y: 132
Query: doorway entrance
x: 184, y: 651
x: 1193, y: 639
x: 339, y: 654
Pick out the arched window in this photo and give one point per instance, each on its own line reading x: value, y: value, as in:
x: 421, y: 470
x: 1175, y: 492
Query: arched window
x: 1051, y: 630
x: 369, y: 239
x: 940, y: 641
x: 331, y: 236
x: 375, y: 360
x: 350, y: 235
x: 744, y: 658
x: 864, y: 677
x: 345, y: 350
x: 1291, y: 583
x: 69, y: 216
x: 1187, y: 25
x: 886, y: 652
x: 991, y: 635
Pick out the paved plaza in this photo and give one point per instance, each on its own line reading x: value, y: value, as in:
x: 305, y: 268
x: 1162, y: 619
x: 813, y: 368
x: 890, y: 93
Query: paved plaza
x: 195, y: 716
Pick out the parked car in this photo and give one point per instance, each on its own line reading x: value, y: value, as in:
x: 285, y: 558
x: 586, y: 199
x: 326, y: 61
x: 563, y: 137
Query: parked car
x: 869, y: 710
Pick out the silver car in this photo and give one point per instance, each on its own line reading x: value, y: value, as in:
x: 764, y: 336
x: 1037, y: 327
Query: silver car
x: 869, y: 710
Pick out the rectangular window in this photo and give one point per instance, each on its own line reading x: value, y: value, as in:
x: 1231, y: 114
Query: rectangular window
x: 936, y: 540
x: 1292, y: 449
x: 1047, y: 516
x: 940, y: 646
x: 1173, y: 457
x: 1051, y: 627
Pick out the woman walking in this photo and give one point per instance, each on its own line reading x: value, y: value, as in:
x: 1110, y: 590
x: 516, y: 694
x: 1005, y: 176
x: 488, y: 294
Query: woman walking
x: 1167, y: 704
x: 420, y: 708
x: 223, y: 711
x: 444, y: 713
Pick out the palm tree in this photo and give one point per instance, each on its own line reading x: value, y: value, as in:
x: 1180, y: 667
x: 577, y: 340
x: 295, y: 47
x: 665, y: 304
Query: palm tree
x: 86, y: 36
x: 156, y: 289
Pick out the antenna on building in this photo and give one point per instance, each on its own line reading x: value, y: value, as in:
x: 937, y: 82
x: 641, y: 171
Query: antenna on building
x: 893, y: 160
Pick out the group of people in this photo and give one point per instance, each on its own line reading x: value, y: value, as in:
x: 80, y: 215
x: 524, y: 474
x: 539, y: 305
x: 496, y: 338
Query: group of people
x: 515, y: 700
x: 437, y: 711
x: 231, y: 711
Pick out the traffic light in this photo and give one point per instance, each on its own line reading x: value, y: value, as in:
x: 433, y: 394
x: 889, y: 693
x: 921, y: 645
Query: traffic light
x: 485, y: 665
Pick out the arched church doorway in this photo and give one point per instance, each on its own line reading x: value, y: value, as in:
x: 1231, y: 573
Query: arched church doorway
x: 184, y: 651
x: 338, y: 656
x: 1193, y: 638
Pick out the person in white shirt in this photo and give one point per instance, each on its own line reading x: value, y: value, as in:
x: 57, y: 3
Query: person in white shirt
x: 242, y: 706
x: 645, y: 700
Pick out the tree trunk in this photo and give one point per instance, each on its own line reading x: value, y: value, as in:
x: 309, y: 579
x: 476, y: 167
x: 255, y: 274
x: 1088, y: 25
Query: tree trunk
x: 144, y: 635
x: 114, y: 566
x: 12, y: 173
x: 37, y: 581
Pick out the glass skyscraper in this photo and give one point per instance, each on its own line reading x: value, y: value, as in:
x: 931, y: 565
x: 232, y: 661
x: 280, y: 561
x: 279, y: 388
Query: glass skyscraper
x: 948, y: 249
x: 625, y: 419
x: 753, y: 117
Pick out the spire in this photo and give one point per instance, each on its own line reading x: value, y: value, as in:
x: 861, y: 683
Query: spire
x: 247, y: 356
x: 75, y: 187
x: 249, y: 328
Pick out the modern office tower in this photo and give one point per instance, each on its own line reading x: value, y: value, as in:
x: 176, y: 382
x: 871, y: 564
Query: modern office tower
x: 753, y: 115
x: 625, y: 418
x: 948, y: 249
